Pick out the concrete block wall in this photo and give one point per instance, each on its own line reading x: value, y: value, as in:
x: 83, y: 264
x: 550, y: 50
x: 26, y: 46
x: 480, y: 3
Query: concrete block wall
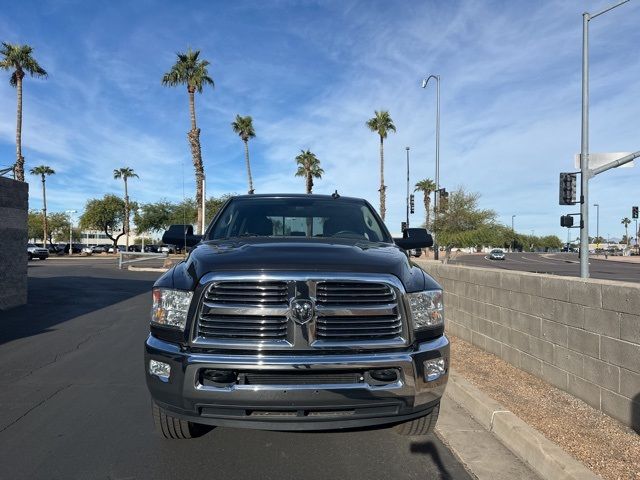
x: 581, y: 336
x: 14, y: 203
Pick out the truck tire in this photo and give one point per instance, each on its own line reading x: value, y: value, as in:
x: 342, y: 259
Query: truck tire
x: 419, y: 426
x: 174, y: 428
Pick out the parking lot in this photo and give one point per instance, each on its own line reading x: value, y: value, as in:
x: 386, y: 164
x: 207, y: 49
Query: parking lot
x: 74, y: 405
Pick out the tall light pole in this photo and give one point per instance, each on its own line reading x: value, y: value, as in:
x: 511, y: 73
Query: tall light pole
x: 407, y: 148
x: 585, y: 173
x: 513, y: 233
x: 70, y: 212
x: 425, y: 82
x: 597, y: 205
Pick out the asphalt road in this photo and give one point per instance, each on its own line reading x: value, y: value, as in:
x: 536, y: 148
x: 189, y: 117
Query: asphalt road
x: 566, y: 264
x: 74, y: 404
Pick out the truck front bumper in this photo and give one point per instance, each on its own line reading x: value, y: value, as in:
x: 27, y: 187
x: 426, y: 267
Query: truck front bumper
x: 304, y: 406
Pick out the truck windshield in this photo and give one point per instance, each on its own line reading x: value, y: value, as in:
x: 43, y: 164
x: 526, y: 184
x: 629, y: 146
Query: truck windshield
x: 299, y: 217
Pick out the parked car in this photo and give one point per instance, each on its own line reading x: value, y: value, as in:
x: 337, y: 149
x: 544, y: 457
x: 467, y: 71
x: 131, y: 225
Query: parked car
x: 496, y: 254
x: 325, y: 332
x: 121, y: 248
x: 100, y: 249
x: 34, y: 251
x: 134, y: 248
x: 77, y: 248
x: 151, y: 248
x: 169, y: 249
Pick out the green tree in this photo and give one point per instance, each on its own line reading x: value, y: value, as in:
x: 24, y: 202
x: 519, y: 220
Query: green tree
x: 34, y: 225
x: 125, y: 173
x: 154, y: 217
x: 426, y: 186
x: 106, y: 215
x: 382, y: 124
x: 58, y: 224
x: 243, y: 126
x: 44, y: 171
x: 18, y: 59
x: 625, y: 221
x: 308, y: 167
x: 189, y: 70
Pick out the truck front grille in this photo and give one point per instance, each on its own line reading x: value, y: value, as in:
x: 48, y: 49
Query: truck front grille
x: 348, y: 313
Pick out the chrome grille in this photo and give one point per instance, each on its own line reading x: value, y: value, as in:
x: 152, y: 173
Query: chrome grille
x: 354, y: 293
x: 239, y: 312
x: 246, y: 327
x: 248, y: 293
x: 357, y: 311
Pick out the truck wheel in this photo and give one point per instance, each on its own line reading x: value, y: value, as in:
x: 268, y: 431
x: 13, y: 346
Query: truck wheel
x: 419, y: 426
x: 30, y: 256
x: 174, y: 428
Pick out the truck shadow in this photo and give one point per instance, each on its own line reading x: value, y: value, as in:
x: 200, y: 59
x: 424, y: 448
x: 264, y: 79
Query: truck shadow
x: 429, y: 448
x: 57, y: 299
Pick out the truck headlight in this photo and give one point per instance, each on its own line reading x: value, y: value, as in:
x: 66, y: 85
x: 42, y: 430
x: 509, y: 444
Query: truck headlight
x: 427, y: 309
x: 170, y: 307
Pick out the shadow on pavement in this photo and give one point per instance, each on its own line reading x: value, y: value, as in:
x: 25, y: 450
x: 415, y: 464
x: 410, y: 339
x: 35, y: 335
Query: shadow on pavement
x: 429, y: 448
x: 55, y: 300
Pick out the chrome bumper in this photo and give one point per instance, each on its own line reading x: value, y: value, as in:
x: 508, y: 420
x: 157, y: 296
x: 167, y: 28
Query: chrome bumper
x: 183, y: 395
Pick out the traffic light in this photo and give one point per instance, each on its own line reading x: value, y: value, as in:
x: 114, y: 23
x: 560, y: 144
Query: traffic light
x: 568, y: 188
x: 412, y: 204
x: 634, y: 212
x: 403, y: 226
x: 566, y: 221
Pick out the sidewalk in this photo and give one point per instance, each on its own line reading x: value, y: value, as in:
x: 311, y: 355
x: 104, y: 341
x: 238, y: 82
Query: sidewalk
x: 603, y: 445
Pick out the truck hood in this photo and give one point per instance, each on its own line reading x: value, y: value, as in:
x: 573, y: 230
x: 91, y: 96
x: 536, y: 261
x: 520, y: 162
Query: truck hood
x: 316, y: 255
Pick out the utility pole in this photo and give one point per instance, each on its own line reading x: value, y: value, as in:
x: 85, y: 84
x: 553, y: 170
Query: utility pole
x: 425, y: 82
x: 407, y: 148
x: 597, y: 205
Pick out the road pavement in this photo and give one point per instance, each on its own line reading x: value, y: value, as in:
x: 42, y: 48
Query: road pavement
x: 74, y: 404
x: 566, y: 264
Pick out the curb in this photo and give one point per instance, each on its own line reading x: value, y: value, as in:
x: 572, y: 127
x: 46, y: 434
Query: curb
x: 545, y: 457
x: 147, y: 269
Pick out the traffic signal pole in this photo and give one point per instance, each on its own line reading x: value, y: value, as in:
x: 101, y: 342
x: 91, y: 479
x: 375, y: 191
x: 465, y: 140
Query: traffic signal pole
x: 584, y: 144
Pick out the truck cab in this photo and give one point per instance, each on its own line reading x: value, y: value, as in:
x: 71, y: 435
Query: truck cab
x: 296, y: 312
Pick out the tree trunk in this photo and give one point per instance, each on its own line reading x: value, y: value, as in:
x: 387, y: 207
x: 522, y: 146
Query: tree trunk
x: 383, y: 207
x: 309, y: 183
x: 44, y: 211
x: 196, y: 153
x: 427, y: 205
x: 246, y: 157
x: 126, y: 212
x: 19, y: 168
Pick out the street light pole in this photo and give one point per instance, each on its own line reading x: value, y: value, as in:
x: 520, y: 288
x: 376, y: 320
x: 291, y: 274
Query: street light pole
x: 585, y: 173
x: 513, y: 233
x: 69, y: 212
x: 425, y: 82
x: 407, y: 148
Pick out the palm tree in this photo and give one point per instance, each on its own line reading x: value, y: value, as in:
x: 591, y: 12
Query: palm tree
x: 426, y: 186
x: 44, y: 171
x: 18, y: 59
x: 125, y: 173
x: 189, y: 70
x: 382, y: 124
x: 625, y: 221
x: 308, y: 167
x: 243, y: 126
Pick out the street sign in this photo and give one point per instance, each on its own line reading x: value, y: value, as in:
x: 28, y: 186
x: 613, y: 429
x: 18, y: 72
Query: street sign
x: 599, y: 159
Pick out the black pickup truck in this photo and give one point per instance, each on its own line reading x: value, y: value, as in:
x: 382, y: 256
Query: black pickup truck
x: 296, y: 312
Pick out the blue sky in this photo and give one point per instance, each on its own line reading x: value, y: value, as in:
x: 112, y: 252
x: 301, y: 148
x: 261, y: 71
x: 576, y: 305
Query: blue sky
x: 311, y: 73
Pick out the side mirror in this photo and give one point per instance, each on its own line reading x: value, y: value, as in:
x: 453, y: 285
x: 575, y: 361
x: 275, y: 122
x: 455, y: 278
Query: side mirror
x: 181, y: 235
x: 414, y: 238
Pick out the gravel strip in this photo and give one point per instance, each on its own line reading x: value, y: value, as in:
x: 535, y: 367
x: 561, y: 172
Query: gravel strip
x: 607, y: 447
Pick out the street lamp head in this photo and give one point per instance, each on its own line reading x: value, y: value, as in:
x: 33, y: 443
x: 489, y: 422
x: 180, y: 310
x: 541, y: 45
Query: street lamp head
x: 407, y: 148
x: 425, y: 82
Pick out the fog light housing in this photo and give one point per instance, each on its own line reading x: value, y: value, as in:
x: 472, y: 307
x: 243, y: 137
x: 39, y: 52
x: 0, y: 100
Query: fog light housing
x: 434, y: 369
x: 160, y: 369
